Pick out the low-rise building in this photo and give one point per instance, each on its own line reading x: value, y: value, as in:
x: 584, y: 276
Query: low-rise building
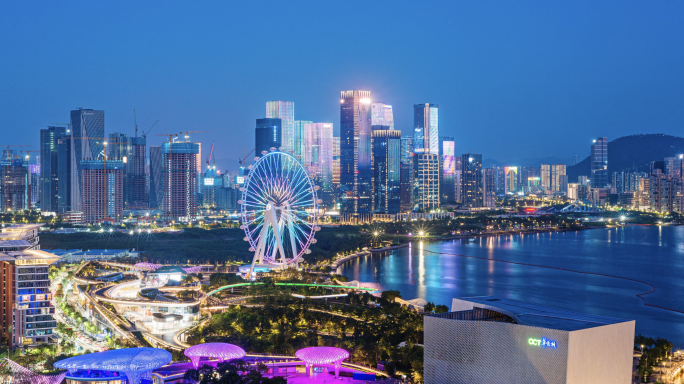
x: 494, y: 340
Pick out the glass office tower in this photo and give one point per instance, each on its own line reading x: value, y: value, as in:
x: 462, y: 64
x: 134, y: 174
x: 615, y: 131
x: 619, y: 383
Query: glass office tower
x: 382, y: 117
x: 267, y: 135
x: 299, y: 138
x: 406, y: 179
x: 87, y: 136
x: 599, y: 163
x: 355, y: 152
x: 426, y: 128
x: 49, y: 167
x: 283, y: 110
x: 447, y: 184
x: 386, y: 171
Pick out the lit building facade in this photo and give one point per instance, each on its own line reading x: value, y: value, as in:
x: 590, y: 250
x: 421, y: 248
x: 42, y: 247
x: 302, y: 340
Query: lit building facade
x: 599, y: 163
x: 426, y: 181
x: 156, y: 192
x: 26, y: 299
x: 386, y: 171
x: 64, y: 156
x: 299, y: 139
x: 283, y: 110
x: 447, y: 184
x: 179, y: 180
x: 355, y: 153
x: 488, y: 188
x: 318, y: 157
x: 382, y: 117
x: 559, y: 178
x: 511, y: 179
x: 267, y: 135
x: 336, y: 165
x: 87, y: 133
x: 426, y: 128
x: 101, y: 190
x: 132, y: 151
x: 471, y: 180
x: 406, y: 178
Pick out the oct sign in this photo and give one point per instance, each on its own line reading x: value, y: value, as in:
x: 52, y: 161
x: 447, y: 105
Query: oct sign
x: 543, y: 342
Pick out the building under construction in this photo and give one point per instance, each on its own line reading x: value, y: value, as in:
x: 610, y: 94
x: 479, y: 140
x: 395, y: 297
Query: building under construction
x: 14, y: 184
x: 179, y: 175
x: 101, y: 190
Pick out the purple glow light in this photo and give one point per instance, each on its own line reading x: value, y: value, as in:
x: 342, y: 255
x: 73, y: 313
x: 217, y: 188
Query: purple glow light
x: 220, y: 351
x: 147, y: 266
x: 195, y: 269
x: 322, y: 355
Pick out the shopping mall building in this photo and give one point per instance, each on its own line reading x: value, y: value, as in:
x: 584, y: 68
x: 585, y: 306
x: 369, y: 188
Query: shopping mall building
x: 493, y: 340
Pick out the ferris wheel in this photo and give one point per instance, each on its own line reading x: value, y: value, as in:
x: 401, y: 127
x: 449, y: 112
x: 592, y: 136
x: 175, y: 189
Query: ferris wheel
x: 279, y: 210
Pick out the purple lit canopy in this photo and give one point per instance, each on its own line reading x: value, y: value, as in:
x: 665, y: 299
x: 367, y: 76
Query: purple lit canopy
x: 147, y: 266
x: 195, y: 269
x: 134, y: 362
x: 220, y: 351
x: 322, y: 355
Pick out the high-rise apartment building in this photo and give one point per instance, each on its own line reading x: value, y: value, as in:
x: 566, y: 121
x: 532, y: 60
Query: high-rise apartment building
x: 27, y: 312
x: 101, y: 190
x: 559, y: 178
x: 87, y: 133
x: 132, y: 151
x: 488, y: 188
x: 471, y: 180
x: 336, y: 165
x: 318, y: 157
x: 64, y: 182
x: 425, y: 181
x: 283, y: 110
x: 299, y: 139
x: 355, y: 153
x: 49, y: 167
x: 267, y: 135
x: 386, y: 171
x: 382, y: 117
x: 673, y: 166
x: 599, y: 163
x: 179, y: 180
x: 447, y: 165
x: 34, y: 184
x: 545, y: 175
x: 426, y: 128
x: 14, y: 183
x: 156, y: 192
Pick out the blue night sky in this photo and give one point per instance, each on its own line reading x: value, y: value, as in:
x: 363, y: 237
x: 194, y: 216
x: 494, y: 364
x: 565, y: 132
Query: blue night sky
x: 513, y: 79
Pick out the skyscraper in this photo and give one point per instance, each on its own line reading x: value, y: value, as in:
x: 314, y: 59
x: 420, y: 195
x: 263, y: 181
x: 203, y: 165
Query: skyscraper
x: 471, y: 180
x: 64, y: 158
x: 355, y: 152
x: 49, y: 167
x: 283, y: 110
x: 545, y: 177
x: 406, y: 179
x: 87, y: 133
x: 179, y: 180
x: 426, y: 181
x: 156, y: 192
x: 131, y: 150
x: 386, y: 171
x: 382, y: 117
x: 101, y: 190
x: 299, y: 138
x: 268, y: 134
x: 426, y: 128
x: 511, y: 179
x: 447, y: 184
x: 319, y: 157
x: 488, y: 186
x: 559, y: 178
x: 599, y: 163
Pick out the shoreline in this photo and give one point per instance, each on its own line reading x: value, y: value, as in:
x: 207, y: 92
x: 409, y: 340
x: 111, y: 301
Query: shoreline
x: 337, y: 264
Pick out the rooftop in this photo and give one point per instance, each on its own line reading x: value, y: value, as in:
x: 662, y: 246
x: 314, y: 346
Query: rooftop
x: 533, y: 314
x: 29, y: 257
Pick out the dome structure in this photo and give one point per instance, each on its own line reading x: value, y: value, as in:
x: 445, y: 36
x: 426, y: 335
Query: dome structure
x: 322, y: 355
x: 134, y: 362
x: 221, y: 351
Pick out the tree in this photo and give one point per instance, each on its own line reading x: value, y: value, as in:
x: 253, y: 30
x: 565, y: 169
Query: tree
x: 429, y: 307
x: 441, y: 308
x: 390, y: 295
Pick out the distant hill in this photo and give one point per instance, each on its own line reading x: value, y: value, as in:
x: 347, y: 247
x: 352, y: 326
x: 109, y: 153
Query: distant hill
x: 634, y: 152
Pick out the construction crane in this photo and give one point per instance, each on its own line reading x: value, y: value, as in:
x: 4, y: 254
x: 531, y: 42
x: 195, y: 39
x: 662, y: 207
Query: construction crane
x: 105, y: 143
x: 241, y: 161
x: 135, y: 122
x: 144, y: 134
x: 210, y: 153
x: 187, y: 134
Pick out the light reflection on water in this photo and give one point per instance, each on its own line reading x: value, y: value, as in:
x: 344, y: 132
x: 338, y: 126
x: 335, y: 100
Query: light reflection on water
x: 653, y: 254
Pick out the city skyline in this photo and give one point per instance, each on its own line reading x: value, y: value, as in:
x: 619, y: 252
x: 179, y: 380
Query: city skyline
x: 546, y: 98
